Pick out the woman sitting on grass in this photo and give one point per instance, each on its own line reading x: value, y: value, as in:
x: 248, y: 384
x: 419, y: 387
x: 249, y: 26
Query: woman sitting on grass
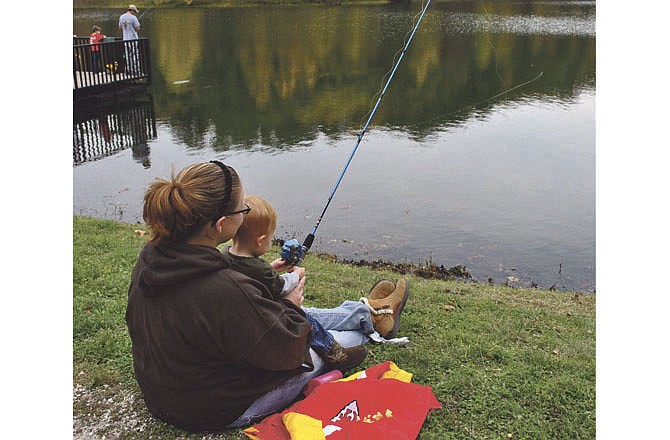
x: 212, y: 349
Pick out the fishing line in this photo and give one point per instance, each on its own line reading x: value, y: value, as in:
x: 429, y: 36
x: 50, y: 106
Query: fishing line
x: 488, y: 38
x: 476, y: 104
x: 409, y: 34
x: 292, y: 251
x: 140, y: 17
x: 504, y: 92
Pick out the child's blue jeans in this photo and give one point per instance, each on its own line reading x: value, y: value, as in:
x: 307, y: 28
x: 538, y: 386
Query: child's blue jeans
x: 322, y: 341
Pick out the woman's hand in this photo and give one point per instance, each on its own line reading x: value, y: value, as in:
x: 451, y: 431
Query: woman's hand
x: 299, y: 270
x: 296, y: 295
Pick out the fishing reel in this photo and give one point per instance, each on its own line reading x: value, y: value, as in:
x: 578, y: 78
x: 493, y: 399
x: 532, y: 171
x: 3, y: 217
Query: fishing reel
x: 293, y: 252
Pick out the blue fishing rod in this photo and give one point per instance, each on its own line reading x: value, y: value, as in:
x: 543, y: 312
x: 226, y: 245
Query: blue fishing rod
x: 292, y: 251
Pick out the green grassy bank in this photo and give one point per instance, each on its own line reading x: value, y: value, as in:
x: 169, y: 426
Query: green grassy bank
x: 504, y: 362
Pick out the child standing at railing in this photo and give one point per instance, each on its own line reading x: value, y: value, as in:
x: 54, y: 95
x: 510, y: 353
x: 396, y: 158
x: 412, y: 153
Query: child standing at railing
x: 96, y: 37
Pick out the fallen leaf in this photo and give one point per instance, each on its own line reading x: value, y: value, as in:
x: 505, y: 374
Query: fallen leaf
x: 448, y: 307
x: 556, y: 351
x: 513, y: 279
x: 139, y: 232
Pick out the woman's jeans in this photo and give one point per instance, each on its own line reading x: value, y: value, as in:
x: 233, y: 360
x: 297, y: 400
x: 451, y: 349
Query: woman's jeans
x: 349, y: 324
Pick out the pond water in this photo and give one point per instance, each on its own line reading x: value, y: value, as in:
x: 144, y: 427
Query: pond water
x: 482, y: 152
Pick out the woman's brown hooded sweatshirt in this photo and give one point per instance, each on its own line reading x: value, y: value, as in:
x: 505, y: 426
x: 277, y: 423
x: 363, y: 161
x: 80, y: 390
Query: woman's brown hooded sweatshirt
x: 208, y: 341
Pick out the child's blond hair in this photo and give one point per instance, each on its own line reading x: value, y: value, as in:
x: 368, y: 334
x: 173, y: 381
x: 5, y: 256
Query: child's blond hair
x: 262, y: 219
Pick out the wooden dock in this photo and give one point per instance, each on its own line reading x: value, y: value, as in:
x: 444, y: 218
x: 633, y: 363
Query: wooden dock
x: 115, y: 67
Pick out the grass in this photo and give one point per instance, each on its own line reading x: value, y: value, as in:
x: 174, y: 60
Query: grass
x: 504, y: 362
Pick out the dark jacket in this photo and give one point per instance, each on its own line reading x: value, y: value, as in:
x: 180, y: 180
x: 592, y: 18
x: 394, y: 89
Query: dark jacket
x: 207, y: 340
x: 258, y: 269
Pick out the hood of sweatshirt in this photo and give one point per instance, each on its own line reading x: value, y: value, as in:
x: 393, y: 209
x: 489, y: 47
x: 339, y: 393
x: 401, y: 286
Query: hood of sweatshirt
x: 161, y: 267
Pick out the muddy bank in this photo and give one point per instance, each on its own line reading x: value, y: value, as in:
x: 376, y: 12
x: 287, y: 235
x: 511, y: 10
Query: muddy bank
x: 428, y: 270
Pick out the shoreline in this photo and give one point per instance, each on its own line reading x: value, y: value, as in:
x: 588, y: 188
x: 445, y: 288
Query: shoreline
x: 458, y: 272
x: 430, y: 270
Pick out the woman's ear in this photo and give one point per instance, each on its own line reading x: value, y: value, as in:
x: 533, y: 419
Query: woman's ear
x: 220, y: 223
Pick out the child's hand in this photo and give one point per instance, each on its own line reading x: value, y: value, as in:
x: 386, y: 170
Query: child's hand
x: 299, y: 270
x: 279, y: 265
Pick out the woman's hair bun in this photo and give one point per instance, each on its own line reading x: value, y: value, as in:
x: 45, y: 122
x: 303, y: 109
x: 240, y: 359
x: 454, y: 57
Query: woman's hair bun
x: 177, y: 208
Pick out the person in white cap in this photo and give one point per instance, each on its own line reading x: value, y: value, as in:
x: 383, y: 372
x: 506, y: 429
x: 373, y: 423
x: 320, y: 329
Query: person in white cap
x: 130, y: 26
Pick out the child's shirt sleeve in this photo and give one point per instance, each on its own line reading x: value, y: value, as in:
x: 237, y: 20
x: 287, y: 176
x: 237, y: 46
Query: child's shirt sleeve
x: 259, y: 270
x: 290, y: 281
x: 267, y: 275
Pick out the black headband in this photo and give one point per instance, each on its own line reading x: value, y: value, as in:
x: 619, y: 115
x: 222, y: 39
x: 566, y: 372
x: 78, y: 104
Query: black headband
x: 229, y: 181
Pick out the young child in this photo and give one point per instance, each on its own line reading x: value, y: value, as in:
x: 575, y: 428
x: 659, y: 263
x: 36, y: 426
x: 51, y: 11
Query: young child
x: 96, y: 37
x: 254, y: 239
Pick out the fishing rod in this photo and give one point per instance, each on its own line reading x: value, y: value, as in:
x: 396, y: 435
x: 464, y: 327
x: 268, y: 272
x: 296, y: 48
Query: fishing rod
x: 292, y: 251
x: 147, y: 10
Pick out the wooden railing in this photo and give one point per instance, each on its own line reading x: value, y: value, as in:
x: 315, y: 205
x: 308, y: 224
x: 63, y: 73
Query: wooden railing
x: 115, y: 62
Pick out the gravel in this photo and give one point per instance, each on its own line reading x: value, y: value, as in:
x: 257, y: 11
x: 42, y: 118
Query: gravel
x: 113, y: 412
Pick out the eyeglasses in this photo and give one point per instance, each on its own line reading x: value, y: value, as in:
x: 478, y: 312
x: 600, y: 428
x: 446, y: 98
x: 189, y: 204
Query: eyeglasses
x: 244, y: 211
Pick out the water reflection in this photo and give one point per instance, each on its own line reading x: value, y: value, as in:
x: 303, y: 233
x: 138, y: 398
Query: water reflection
x: 488, y: 127
x: 236, y: 78
x: 103, y: 131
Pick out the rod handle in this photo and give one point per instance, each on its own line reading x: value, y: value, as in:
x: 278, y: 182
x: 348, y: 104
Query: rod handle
x: 308, y: 242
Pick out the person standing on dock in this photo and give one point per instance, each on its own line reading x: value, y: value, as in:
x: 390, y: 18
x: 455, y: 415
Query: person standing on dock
x: 130, y: 26
x: 96, y: 37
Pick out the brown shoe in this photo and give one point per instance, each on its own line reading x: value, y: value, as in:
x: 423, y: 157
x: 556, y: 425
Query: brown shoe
x: 381, y: 289
x: 386, y: 314
x: 340, y: 358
